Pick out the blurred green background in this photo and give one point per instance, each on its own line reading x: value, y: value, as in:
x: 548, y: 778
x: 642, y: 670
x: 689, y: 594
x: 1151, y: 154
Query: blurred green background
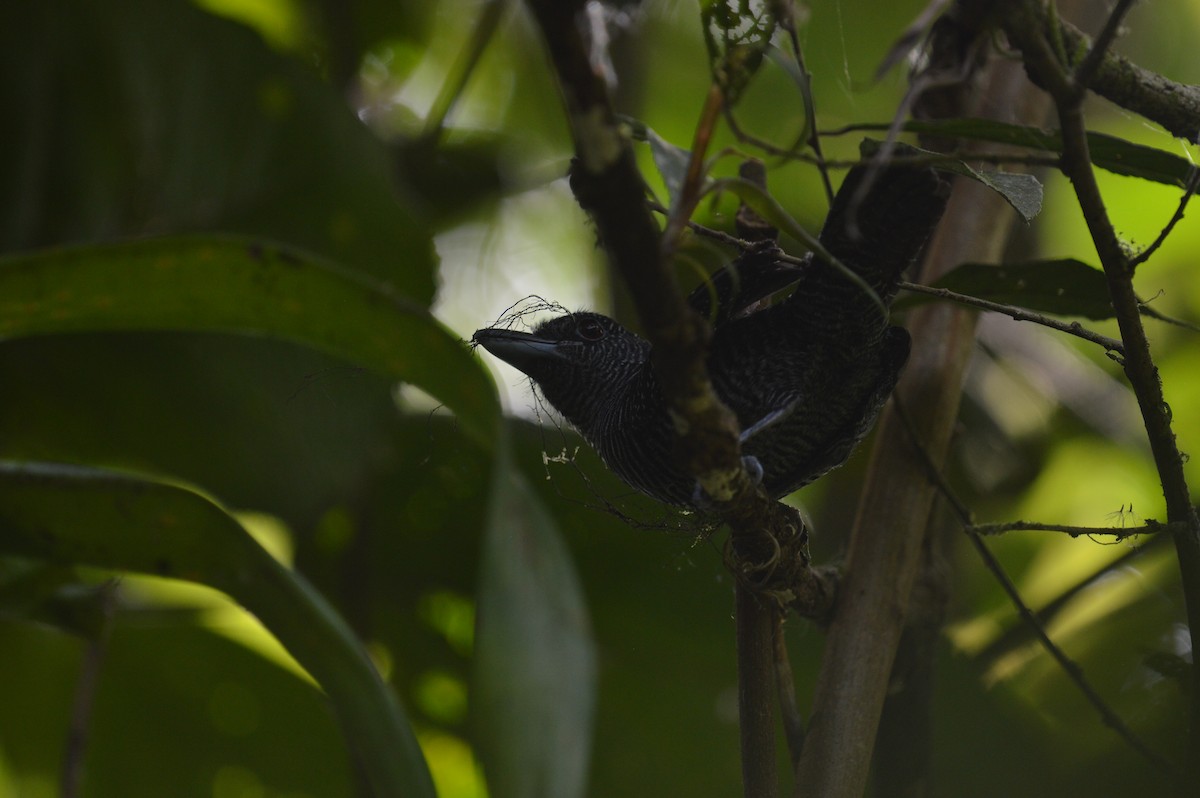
x: 300, y: 122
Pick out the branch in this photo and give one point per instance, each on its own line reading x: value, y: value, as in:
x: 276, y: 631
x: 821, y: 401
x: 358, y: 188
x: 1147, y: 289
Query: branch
x: 1014, y: 312
x: 1119, y: 533
x: 1026, y: 29
x: 756, y: 622
x: 1069, y: 666
x: 85, y: 693
x: 1192, y: 184
x: 1019, y: 634
x: 1175, y: 106
x: 768, y: 540
x: 1020, y: 314
x: 897, y: 499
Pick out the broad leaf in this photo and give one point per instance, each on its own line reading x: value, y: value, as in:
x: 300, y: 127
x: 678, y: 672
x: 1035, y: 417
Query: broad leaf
x: 104, y: 519
x: 535, y: 661
x: 672, y: 163
x: 1023, y: 192
x: 222, y: 284
x: 151, y: 116
x: 1065, y: 287
x: 1111, y: 153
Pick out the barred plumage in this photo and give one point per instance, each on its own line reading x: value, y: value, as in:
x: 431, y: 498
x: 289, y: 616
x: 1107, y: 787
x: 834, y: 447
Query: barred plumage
x: 812, y: 371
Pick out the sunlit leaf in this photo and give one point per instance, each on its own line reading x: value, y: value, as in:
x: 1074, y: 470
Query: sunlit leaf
x: 217, y: 284
x: 535, y: 668
x: 104, y: 519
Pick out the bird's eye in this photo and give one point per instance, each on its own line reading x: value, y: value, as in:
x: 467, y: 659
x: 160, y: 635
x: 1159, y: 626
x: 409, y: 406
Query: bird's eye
x: 590, y: 330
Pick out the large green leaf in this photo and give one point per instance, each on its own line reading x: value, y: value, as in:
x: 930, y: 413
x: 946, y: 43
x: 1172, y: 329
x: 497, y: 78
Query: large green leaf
x: 535, y: 668
x: 1066, y: 287
x: 110, y: 520
x: 237, y: 285
x: 151, y: 116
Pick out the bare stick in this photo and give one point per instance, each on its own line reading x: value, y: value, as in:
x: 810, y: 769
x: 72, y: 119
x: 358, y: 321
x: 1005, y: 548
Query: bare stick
x: 793, y: 725
x: 85, y: 695
x: 755, y: 628
x: 1120, y: 533
x: 1192, y: 184
x: 1026, y: 28
x: 1069, y: 666
x: 1020, y: 314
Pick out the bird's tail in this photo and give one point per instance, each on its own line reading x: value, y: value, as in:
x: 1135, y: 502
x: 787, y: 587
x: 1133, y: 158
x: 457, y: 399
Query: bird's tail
x: 880, y: 231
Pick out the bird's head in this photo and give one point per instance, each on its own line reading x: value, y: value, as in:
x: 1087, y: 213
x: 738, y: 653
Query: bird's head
x: 579, y: 361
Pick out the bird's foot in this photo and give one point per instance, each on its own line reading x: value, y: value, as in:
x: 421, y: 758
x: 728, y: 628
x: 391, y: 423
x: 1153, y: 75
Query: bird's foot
x: 753, y: 468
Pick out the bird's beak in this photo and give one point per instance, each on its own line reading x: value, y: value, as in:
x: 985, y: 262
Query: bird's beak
x: 518, y: 349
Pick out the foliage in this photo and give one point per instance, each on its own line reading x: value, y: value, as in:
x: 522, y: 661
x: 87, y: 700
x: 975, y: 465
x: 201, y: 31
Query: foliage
x: 213, y: 275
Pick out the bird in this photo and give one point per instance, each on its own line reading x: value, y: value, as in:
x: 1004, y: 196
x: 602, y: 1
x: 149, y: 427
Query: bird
x: 805, y: 376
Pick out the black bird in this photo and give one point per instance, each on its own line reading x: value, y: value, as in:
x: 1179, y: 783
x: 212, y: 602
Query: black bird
x: 806, y: 377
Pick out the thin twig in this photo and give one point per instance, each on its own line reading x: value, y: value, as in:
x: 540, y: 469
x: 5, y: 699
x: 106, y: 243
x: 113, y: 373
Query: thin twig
x: 1192, y: 184
x: 1020, y: 314
x: 788, y: 23
x: 1120, y: 533
x: 785, y: 685
x: 1086, y: 71
x: 464, y: 66
x: 85, y: 694
x: 1026, y: 28
x: 690, y: 192
x: 1069, y: 666
x: 1018, y: 634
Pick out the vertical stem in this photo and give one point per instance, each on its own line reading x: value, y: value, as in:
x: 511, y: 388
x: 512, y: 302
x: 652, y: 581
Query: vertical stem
x: 885, y: 545
x: 1027, y: 29
x: 85, y: 696
x: 755, y: 629
x: 1147, y: 386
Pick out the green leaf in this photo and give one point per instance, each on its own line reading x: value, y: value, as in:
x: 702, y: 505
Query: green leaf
x: 70, y: 514
x: 1065, y: 287
x: 535, y: 661
x: 220, y: 284
x: 155, y: 116
x: 1111, y: 153
x: 1023, y: 192
x: 53, y: 595
x: 672, y: 163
